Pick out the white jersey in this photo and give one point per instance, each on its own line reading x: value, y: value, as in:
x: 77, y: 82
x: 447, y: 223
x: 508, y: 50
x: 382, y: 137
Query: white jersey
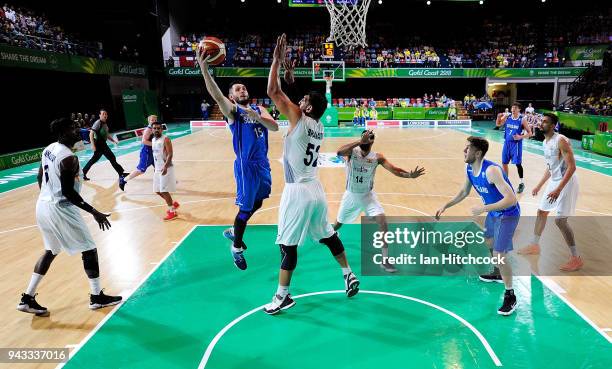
x: 360, y: 171
x: 554, y: 159
x: 51, y: 188
x: 159, y: 154
x: 301, y: 150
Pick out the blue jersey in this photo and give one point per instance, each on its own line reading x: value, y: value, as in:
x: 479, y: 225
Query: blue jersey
x: 250, y: 138
x: 513, y: 127
x: 487, y: 191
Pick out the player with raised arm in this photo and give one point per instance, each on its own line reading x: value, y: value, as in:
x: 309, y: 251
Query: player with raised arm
x: 512, y: 151
x: 359, y: 196
x: 249, y: 125
x: 303, y: 208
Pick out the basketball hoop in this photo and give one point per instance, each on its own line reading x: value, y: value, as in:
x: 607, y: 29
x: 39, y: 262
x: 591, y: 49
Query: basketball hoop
x: 348, y: 22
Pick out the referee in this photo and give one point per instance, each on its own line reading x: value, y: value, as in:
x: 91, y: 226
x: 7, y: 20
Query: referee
x: 98, y: 136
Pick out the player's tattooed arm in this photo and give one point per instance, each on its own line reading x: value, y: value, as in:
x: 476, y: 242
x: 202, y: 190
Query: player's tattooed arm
x: 69, y: 170
x: 399, y: 172
x: 346, y: 150
x: 227, y: 107
x: 463, y: 193
x: 280, y: 99
x: 39, y: 176
x: 264, y: 118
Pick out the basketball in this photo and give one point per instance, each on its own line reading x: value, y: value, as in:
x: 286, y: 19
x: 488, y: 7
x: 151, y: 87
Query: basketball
x: 213, y: 47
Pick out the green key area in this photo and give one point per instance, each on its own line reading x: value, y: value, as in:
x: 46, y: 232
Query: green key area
x: 197, y: 310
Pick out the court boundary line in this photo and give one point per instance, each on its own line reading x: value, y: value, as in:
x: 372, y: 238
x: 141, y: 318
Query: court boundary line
x: 535, y: 154
x: 546, y: 282
x: 481, y: 338
x: 327, y: 193
x: 118, y: 307
x: 85, y: 160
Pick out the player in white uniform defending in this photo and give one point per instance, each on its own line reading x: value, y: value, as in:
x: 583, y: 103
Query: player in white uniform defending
x: 560, y: 193
x: 164, y: 180
x: 59, y: 218
x: 361, y: 164
x: 303, y: 207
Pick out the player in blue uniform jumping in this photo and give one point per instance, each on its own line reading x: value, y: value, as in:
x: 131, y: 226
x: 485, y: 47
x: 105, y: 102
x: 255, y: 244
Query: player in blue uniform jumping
x: 500, y: 202
x: 513, y: 140
x: 249, y: 125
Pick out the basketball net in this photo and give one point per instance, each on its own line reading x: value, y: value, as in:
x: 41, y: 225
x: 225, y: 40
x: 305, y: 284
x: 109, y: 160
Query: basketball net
x: 328, y: 83
x: 348, y: 22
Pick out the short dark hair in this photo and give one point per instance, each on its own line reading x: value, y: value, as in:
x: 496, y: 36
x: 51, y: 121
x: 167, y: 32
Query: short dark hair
x: 517, y: 104
x: 61, y: 125
x: 479, y: 143
x: 554, y: 118
x: 235, y: 82
x: 318, y: 103
x: 156, y: 122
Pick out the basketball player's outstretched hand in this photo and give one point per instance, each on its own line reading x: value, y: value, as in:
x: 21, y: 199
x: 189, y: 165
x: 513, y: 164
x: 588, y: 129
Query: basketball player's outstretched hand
x: 280, y: 51
x: 439, y: 212
x: 102, y: 220
x: 289, y: 67
x: 417, y: 172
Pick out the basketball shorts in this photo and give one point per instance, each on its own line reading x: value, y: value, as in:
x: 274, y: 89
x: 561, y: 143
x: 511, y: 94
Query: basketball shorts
x: 253, y: 182
x: 501, y: 229
x: 303, y: 214
x: 146, y: 158
x: 164, y: 183
x: 63, y: 228
x: 512, y: 152
x: 566, y: 202
x: 353, y: 204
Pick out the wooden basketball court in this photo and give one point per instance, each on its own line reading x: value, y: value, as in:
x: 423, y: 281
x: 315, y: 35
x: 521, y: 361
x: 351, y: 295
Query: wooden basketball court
x: 139, y: 241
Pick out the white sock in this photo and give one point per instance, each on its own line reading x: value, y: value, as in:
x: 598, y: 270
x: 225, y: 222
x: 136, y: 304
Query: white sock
x: 535, y: 239
x: 171, y: 208
x: 34, y: 281
x: 521, y: 180
x: 346, y: 270
x: 235, y: 249
x: 573, y: 250
x: 282, y: 291
x: 94, y: 286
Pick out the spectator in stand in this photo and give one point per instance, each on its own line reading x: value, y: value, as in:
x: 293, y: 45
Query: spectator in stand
x: 529, y: 109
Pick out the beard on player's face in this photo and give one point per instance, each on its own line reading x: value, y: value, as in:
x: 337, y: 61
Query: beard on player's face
x: 365, y: 147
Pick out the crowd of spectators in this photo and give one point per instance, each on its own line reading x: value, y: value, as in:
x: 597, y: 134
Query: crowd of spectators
x: 495, y: 42
x: 23, y: 28
x: 427, y: 101
x: 592, y: 104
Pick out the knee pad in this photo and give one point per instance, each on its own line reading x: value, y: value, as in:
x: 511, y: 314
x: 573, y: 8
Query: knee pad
x: 288, y: 257
x: 90, y: 262
x: 334, y: 244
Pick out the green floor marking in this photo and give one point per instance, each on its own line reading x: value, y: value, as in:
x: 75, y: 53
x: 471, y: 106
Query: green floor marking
x: 171, y: 319
x: 24, y: 175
